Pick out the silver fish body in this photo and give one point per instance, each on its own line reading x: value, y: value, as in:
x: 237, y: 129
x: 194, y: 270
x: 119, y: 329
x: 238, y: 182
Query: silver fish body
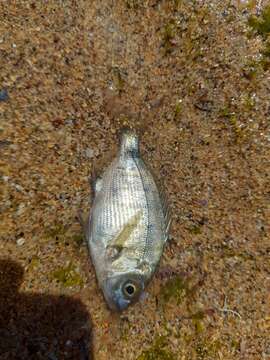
x: 128, y: 226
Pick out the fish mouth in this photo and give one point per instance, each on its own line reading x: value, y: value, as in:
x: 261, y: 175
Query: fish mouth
x: 121, y: 304
x: 115, y: 300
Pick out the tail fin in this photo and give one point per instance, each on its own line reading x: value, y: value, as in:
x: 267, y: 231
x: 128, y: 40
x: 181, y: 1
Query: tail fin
x: 129, y: 142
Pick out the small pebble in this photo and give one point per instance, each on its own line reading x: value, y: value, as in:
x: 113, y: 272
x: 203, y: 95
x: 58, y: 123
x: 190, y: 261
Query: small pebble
x: 3, y: 95
x: 21, y: 209
x: 20, y: 241
x: 68, y: 343
x: 69, y: 122
x: 89, y: 153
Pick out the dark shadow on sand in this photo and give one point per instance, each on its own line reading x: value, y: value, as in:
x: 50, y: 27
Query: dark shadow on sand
x: 37, y: 326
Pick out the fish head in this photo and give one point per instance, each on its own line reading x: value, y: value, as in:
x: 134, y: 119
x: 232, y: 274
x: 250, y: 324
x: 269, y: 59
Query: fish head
x: 121, y: 290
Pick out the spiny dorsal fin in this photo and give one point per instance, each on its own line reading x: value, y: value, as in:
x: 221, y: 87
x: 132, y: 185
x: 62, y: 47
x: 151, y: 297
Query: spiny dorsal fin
x: 163, y: 199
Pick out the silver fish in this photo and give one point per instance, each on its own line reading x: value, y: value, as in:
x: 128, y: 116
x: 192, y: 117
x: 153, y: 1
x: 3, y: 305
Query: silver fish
x: 128, y: 226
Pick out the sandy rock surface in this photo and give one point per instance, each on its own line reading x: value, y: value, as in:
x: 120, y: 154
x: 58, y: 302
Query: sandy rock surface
x: 193, y: 78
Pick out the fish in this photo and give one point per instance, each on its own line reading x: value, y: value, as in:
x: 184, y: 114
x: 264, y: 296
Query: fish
x: 128, y: 226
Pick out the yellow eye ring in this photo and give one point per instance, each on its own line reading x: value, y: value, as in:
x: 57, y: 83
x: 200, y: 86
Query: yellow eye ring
x: 129, y: 289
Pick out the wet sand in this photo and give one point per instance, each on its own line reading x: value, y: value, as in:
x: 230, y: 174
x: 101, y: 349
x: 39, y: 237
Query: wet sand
x: 189, y: 77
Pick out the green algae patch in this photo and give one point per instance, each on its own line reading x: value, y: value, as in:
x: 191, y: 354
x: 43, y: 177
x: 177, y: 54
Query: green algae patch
x: 251, y: 69
x: 265, y: 61
x: 118, y: 78
x: 266, y: 51
x: 261, y: 24
x: 134, y: 4
x: 168, y: 36
x: 57, y: 231
x: 250, y: 5
x: 78, y: 239
x: 68, y: 276
x: 225, y: 112
x: 158, y: 351
x: 255, y: 67
x: 34, y: 262
x: 177, y: 110
x: 175, y: 289
x: 195, y: 229
x: 207, y: 349
x: 235, y: 344
x: 62, y: 234
x: 238, y: 131
x: 197, y: 321
x: 249, y: 102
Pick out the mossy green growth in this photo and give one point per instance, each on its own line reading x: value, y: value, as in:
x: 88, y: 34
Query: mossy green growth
x: 176, y: 289
x: 199, y: 315
x: 134, y: 4
x: 266, y: 51
x: 195, y: 229
x: 58, y: 230
x: 158, y: 351
x: 251, y: 4
x: 61, y: 234
x: 261, y: 24
x: 169, y: 33
x: 249, y: 102
x: 235, y: 344
x: 118, y: 79
x: 206, y: 349
x: 125, y: 330
x: 225, y: 112
x: 177, y: 3
x: 238, y: 131
x: 252, y: 69
x: 265, y: 61
x: 78, y: 238
x: 68, y: 276
x: 197, y: 321
x: 34, y: 262
x: 178, y: 109
x: 199, y: 327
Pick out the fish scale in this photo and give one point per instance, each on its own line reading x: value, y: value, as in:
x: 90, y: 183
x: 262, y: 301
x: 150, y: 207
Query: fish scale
x: 124, y: 202
x: 128, y: 226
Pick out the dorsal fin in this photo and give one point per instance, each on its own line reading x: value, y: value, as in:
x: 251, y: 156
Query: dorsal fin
x: 163, y: 199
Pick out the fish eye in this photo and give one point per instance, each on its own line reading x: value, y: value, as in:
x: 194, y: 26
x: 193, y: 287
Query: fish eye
x: 129, y: 289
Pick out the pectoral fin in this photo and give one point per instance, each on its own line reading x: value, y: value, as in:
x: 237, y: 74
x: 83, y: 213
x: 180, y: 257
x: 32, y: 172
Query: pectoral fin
x: 119, y: 242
